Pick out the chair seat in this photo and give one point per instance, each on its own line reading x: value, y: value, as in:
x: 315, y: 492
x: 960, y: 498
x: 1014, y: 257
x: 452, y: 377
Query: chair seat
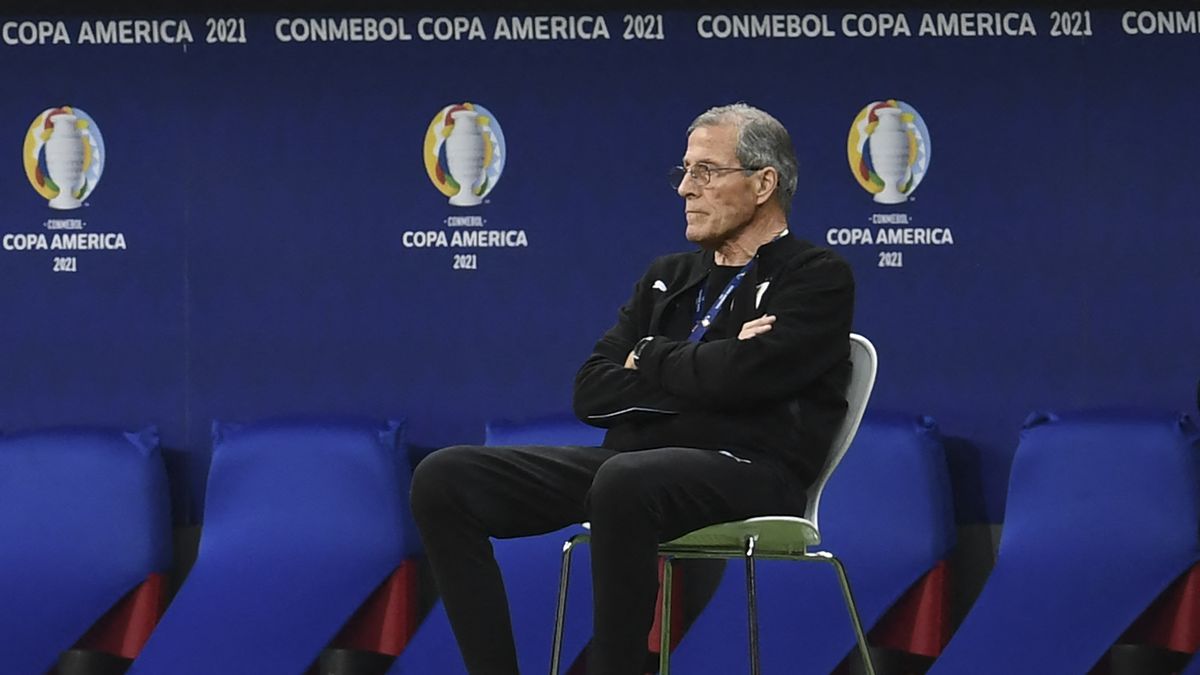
x: 775, y: 535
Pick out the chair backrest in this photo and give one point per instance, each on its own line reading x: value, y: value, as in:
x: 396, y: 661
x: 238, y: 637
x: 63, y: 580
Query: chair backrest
x: 864, y: 363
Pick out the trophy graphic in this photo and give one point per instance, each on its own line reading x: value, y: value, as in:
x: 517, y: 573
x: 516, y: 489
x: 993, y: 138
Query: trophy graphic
x: 464, y: 153
x: 64, y: 161
x: 889, y: 155
x: 889, y: 150
x: 465, y: 150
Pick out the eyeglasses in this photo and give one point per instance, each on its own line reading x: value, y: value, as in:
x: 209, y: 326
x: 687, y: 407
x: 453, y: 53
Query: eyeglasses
x: 700, y: 174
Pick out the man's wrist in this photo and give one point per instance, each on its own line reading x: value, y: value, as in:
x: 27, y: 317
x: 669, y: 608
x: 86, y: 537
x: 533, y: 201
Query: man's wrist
x: 638, y: 347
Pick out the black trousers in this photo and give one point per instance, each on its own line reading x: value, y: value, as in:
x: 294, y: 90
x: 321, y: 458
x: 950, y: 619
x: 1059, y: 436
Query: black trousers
x: 461, y: 495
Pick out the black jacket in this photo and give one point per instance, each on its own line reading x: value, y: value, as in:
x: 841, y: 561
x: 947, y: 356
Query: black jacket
x: 780, y: 395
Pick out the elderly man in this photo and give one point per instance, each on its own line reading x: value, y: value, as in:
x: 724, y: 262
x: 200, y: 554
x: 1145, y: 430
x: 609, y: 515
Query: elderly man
x: 721, y: 385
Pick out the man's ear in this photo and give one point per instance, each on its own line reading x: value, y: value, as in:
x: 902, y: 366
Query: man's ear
x: 766, y: 184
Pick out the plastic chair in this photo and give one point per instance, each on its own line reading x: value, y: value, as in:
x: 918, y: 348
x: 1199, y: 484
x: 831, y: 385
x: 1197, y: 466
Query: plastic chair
x: 888, y: 513
x: 1102, y: 515
x: 767, y: 537
x: 528, y: 565
x: 304, y: 519
x: 84, y: 519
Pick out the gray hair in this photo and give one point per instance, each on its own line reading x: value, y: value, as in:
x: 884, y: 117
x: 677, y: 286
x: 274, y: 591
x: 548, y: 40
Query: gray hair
x: 761, y: 142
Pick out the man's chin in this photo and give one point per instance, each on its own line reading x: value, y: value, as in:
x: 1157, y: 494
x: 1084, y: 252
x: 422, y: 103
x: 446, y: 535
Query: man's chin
x: 698, y: 237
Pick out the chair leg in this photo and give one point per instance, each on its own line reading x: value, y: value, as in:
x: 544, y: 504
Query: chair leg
x: 560, y: 610
x: 664, y: 633
x: 852, y: 608
x: 752, y: 606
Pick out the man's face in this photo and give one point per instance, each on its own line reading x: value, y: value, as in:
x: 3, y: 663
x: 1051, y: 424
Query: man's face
x: 716, y: 211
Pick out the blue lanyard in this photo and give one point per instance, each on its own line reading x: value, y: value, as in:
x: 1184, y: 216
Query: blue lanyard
x: 703, y: 322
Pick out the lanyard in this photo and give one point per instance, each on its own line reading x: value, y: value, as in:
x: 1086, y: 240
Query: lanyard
x: 703, y: 322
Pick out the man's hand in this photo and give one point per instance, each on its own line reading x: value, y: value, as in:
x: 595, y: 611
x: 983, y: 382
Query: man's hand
x: 756, y: 327
x: 750, y: 329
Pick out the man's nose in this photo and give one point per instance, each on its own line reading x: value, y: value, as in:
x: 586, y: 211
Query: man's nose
x: 687, y: 186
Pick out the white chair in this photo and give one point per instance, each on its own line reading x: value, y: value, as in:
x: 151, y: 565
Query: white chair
x: 766, y: 537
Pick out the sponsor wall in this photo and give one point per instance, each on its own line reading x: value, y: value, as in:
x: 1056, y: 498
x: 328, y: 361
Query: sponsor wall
x: 435, y: 215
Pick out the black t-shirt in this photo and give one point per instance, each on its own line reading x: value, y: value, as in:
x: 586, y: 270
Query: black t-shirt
x: 718, y: 278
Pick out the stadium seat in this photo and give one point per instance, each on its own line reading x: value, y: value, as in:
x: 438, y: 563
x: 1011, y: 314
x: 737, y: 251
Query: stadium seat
x: 303, y: 520
x: 84, y: 521
x: 1103, y: 514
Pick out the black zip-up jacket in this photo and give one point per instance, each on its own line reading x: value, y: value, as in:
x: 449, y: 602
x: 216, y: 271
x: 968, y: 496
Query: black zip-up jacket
x: 780, y: 395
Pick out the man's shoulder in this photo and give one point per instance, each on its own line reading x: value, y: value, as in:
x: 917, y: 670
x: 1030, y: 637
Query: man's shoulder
x: 677, y: 264
x: 794, y: 252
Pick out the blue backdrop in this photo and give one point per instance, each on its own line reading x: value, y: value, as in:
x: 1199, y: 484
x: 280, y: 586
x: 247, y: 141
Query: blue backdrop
x: 267, y: 190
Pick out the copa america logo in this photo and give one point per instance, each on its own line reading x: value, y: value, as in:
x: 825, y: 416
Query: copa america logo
x: 64, y: 156
x: 464, y: 153
x: 889, y: 150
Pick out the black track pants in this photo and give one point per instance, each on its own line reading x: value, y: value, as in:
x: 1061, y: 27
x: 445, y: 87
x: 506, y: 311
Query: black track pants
x: 461, y: 495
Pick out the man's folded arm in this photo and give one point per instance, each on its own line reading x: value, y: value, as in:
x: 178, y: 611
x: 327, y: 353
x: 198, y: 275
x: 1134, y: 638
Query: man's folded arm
x: 606, y: 392
x: 813, y: 311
